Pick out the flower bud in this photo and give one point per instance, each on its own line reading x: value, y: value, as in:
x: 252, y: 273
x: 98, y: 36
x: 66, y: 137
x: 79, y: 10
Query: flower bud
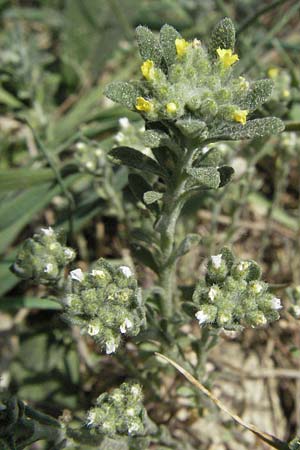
x: 43, y: 257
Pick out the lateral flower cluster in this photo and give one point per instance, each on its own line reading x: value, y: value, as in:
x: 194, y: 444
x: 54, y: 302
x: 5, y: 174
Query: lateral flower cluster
x: 232, y: 296
x: 120, y: 412
x: 105, y: 303
x: 91, y: 159
x: 190, y: 85
x: 43, y: 257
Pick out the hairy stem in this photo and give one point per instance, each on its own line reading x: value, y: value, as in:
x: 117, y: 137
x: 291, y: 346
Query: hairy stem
x: 166, y: 226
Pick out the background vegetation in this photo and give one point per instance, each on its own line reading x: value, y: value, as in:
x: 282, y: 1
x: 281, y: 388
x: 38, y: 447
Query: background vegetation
x: 56, y: 58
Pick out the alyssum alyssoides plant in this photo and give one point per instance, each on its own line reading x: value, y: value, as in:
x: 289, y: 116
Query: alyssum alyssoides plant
x: 189, y: 97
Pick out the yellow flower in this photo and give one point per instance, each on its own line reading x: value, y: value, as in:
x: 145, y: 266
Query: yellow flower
x: 286, y: 93
x: 226, y: 56
x: 143, y: 105
x: 240, y: 115
x: 181, y: 46
x: 147, y: 69
x: 273, y: 72
x: 171, y: 108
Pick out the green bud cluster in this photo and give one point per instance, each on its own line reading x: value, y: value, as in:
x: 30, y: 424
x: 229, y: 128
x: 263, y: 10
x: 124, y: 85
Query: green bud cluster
x: 120, y: 412
x: 194, y: 87
x: 43, y: 257
x: 294, y: 297
x: 282, y: 90
x: 105, y: 303
x: 295, y: 444
x: 132, y: 135
x: 91, y: 159
x: 233, y: 296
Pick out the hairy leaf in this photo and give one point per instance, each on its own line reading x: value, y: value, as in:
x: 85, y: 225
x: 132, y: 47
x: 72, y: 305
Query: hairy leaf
x: 223, y: 36
x: 123, y: 93
x: 208, y: 177
x: 136, y: 160
x: 148, y: 45
x: 167, y: 36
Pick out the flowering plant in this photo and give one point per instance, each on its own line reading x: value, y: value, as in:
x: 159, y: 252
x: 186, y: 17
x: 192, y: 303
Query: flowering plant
x: 189, y: 98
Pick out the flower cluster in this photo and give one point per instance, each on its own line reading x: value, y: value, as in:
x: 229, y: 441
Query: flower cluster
x: 43, y: 257
x: 233, y: 296
x: 131, y: 134
x: 119, y: 413
x: 105, y: 303
x: 294, y: 296
x: 91, y: 159
x: 190, y: 85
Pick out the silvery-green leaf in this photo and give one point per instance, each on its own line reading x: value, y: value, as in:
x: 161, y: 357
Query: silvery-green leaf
x: 208, y: 177
x: 136, y: 160
x: 152, y: 197
x: 191, y: 240
x: 223, y: 36
x: 167, y: 36
x: 155, y: 138
x: 252, y: 129
x: 191, y: 128
x: 258, y: 94
x: 148, y: 45
x: 123, y: 93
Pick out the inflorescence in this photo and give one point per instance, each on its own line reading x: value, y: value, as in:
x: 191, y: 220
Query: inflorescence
x: 190, y: 85
x: 233, y: 296
x: 119, y: 413
x: 43, y: 257
x: 105, y: 303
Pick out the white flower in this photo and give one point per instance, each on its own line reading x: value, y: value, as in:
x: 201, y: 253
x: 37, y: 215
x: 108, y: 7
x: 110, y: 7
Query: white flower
x: 205, y: 150
x: 124, y: 122
x: 93, y: 330
x: 126, y: 325
x: 48, y: 231
x: 110, y: 347
x: 48, y: 268
x: 243, y: 265
x: 98, y: 273
x: 130, y: 412
x: 276, y: 303
x: 69, y: 253
x: 216, y: 261
x: 90, y: 165
x: 201, y: 317
x: 80, y: 145
x: 257, y: 288
x: 126, y: 271
x: 119, y: 137
x: 77, y: 275
x: 91, y: 418
x: 135, y: 390
x: 212, y: 293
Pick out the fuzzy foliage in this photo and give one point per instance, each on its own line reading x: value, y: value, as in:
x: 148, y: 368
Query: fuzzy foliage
x: 43, y: 257
x: 105, y: 303
x: 193, y: 88
x: 232, y: 296
x: 120, y: 412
